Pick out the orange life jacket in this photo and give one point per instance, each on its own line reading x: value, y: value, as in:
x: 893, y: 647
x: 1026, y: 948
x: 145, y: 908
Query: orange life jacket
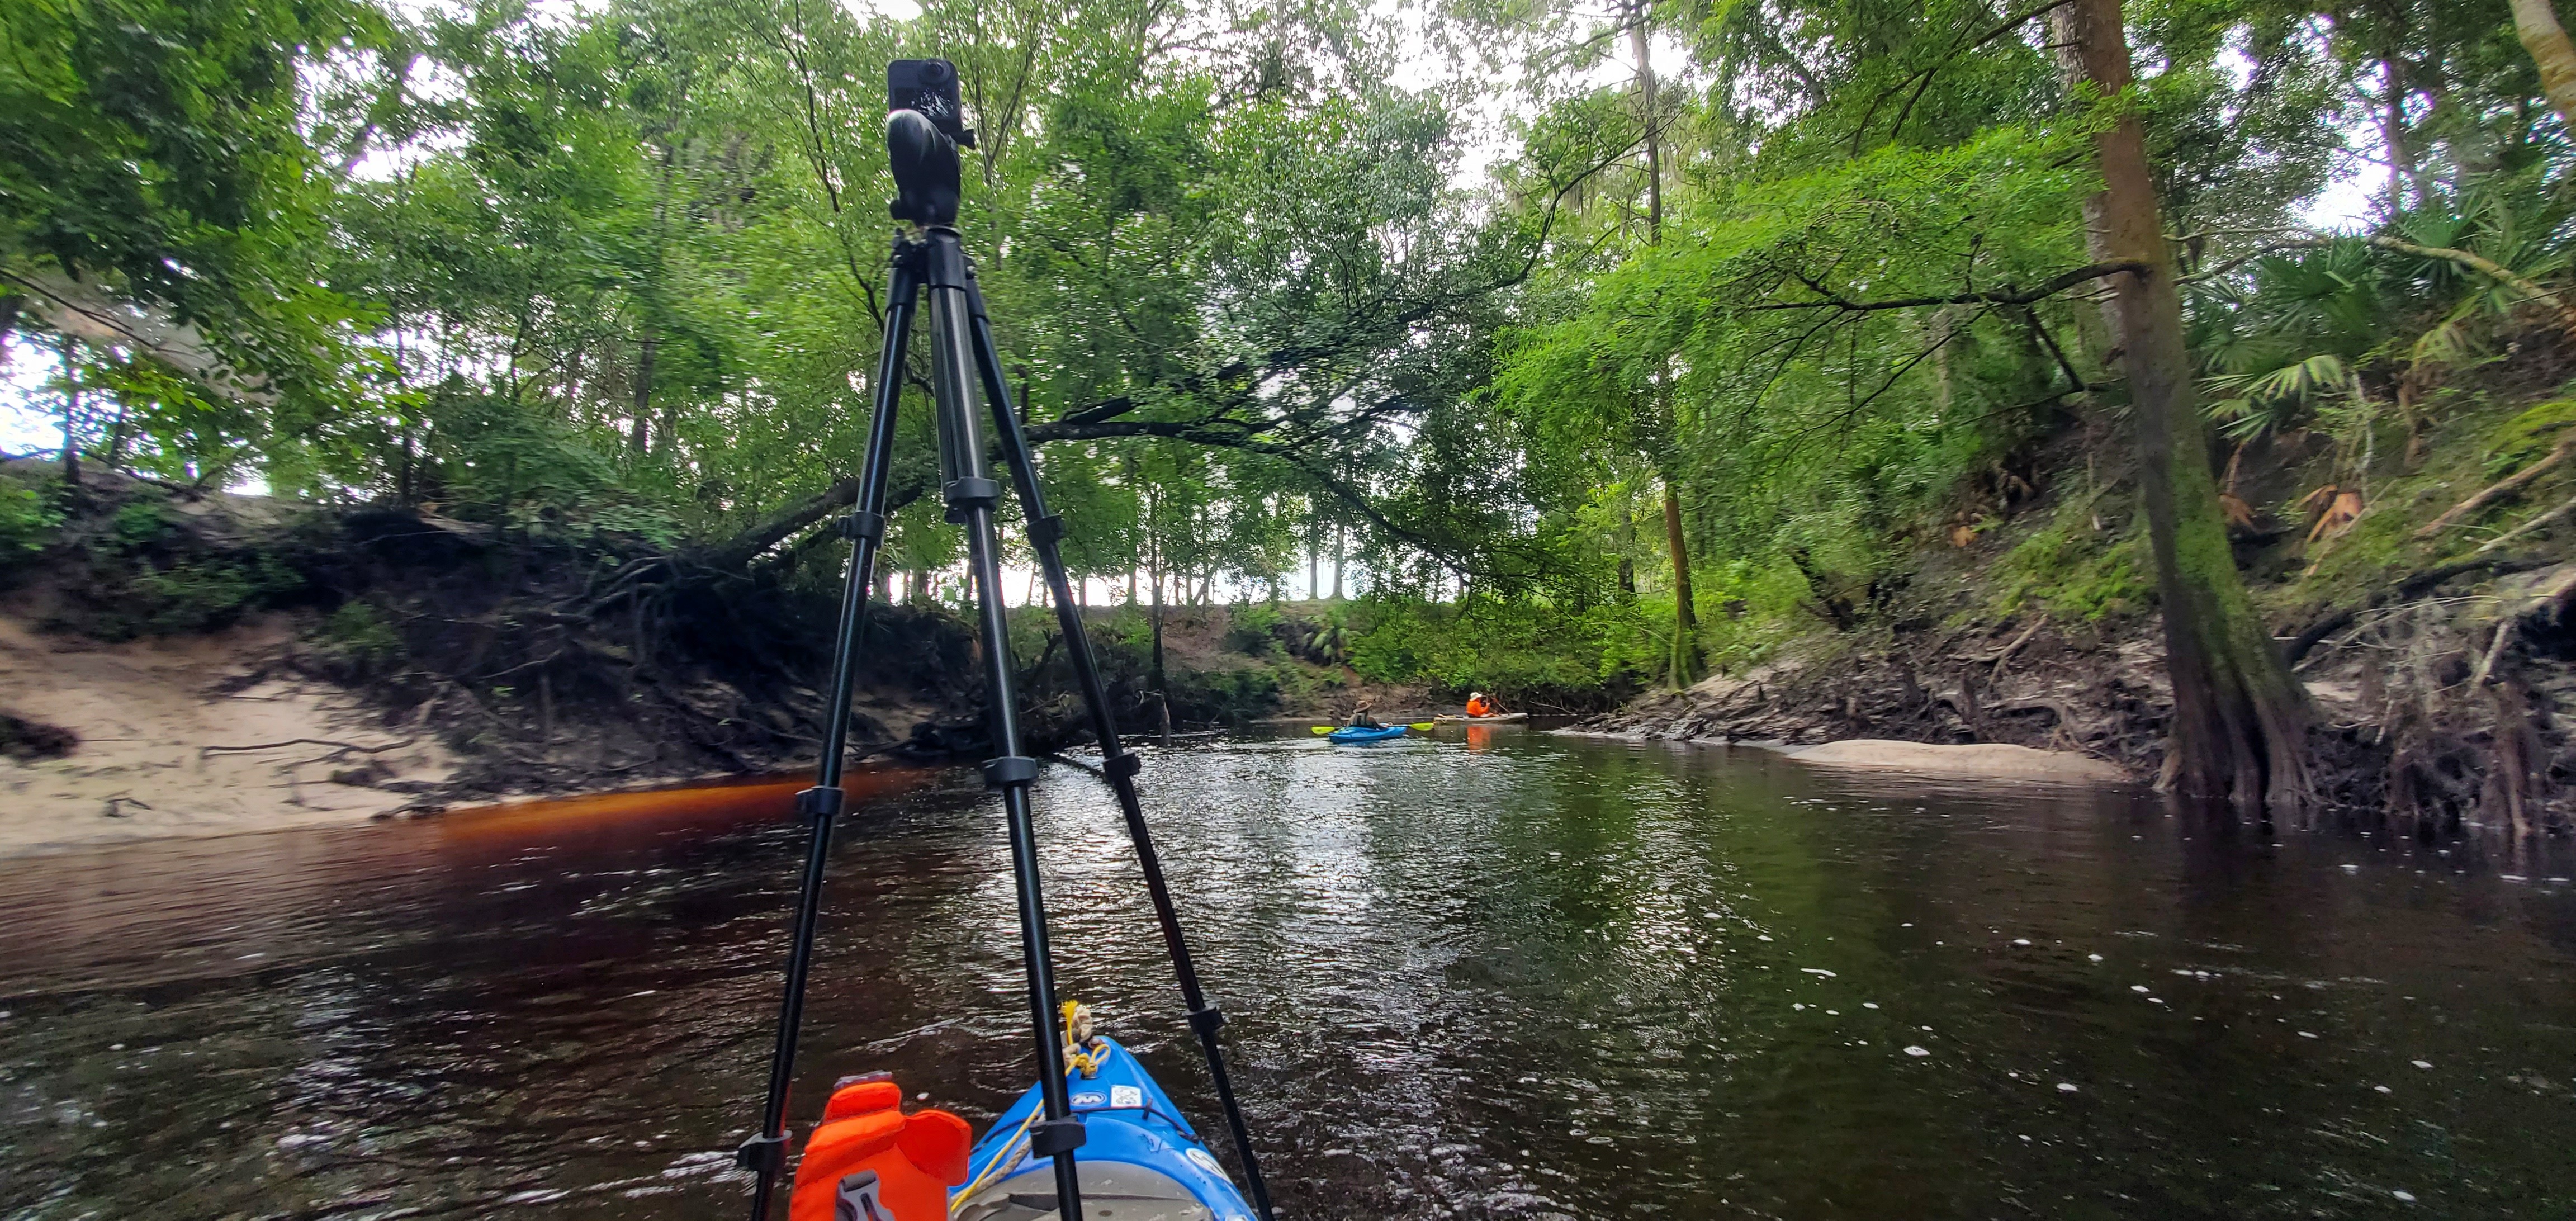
x: 871, y: 1162
x: 1479, y: 708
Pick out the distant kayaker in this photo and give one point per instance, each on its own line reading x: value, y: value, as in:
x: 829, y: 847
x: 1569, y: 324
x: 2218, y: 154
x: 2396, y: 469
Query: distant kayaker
x: 1361, y: 718
x: 1479, y: 706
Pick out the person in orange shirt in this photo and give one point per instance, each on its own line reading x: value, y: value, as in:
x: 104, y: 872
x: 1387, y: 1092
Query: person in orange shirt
x: 1478, y: 705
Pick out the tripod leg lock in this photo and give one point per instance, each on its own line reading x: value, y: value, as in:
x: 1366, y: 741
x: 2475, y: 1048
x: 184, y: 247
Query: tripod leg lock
x: 764, y: 1154
x: 1122, y: 765
x: 1053, y: 1136
x: 1045, y: 530
x: 1207, y: 1020
x: 970, y: 492
x: 1010, y: 769
x: 864, y: 526
x: 818, y: 803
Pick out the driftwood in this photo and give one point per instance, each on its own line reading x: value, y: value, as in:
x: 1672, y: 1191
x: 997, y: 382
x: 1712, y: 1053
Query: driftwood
x: 340, y: 747
x: 2527, y: 527
x: 2500, y: 489
x: 2015, y: 646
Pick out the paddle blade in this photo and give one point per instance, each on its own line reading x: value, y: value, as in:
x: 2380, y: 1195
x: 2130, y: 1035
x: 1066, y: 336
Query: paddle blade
x: 1420, y: 727
x: 1319, y: 730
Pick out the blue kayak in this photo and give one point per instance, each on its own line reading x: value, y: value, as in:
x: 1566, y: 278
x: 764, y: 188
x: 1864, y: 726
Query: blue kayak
x: 1139, y: 1161
x: 1350, y: 737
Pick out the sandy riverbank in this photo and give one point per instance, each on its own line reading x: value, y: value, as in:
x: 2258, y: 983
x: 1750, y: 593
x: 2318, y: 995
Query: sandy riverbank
x: 1992, y: 760
x: 192, y: 736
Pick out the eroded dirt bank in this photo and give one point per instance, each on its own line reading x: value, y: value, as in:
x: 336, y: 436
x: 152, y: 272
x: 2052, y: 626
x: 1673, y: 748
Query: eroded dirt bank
x: 181, y: 663
x: 192, y: 736
x: 173, y: 663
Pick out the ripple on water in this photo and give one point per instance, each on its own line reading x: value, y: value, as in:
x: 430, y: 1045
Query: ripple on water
x: 1544, y: 978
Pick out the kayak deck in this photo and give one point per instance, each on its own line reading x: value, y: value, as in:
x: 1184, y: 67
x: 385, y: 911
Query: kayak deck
x: 1140, y: 1160
x: 1347, y: 736
x: 1452, y: 718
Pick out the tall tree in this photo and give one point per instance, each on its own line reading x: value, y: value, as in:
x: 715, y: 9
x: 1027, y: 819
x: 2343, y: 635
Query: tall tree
x: 2240, y: 720
x: 1686, y: 647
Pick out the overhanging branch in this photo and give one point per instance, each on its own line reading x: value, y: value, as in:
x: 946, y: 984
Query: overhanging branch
x: 2005, y: 296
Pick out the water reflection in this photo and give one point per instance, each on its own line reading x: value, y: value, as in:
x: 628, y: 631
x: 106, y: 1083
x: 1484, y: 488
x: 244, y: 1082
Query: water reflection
x: 1516, y: 976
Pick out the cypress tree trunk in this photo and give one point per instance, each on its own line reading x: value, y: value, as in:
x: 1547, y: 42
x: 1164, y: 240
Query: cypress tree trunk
x: 2537, y: 25
x: 2240, y: 721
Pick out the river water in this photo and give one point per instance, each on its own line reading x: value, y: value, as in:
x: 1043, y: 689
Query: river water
x: 1516, y: 975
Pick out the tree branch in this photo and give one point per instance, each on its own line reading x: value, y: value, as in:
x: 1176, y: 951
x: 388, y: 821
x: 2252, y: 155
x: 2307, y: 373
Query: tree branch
x: 2008, y: 296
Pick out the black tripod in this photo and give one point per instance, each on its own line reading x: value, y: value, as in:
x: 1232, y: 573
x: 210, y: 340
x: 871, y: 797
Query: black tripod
x: 922, y: 136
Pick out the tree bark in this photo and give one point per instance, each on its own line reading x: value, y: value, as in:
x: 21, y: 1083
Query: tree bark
x: 2240, y: 720
x: 1625, y: 536
x: 1341, y: 543
x: 2405, y: 173
x: 71, y: 414
x: 2537, y: 25
x: 1686, y: 658
x: 740, y: 550
x: 640, y: 441
x: 1160, y: 689
x: 1654, y: 135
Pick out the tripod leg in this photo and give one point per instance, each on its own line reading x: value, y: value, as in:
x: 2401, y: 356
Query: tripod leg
x: 1120, y: 766
x: 765, y: 1154
x: 972, y: 495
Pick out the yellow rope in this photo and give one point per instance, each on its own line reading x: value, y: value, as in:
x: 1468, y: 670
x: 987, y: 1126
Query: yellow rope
x: 1077, y: 1028
x: 1009, y: 1157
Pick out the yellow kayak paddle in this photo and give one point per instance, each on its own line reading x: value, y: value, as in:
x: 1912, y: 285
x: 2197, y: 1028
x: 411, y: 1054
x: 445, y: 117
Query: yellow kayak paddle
x: 1319, y: 730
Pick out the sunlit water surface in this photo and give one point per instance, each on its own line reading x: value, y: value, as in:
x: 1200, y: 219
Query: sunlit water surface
x: 1513, y: 976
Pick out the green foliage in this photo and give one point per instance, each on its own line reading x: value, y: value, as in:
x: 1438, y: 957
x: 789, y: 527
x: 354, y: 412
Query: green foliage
x: 1513, y: 649
x: 29, y: 516
x: 2528, y: 435
x: 1232, y: 696
x: 2073, y: 571
x: 358, y: 635
x: 646, y: 522
x: 1254, y: 629
x: 139, y: 522
x: 196, y: 594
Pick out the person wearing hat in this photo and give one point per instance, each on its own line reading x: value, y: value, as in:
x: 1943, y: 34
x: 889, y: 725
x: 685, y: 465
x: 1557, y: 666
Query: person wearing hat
x: 1479, y: 706
x: 1361, y: 718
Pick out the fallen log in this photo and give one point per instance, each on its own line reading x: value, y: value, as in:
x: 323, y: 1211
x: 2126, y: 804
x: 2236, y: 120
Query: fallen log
x: 2500, y: 489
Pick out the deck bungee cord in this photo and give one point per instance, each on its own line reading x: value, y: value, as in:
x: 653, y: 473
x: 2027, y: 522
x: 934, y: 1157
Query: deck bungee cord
x: 872, y: 1161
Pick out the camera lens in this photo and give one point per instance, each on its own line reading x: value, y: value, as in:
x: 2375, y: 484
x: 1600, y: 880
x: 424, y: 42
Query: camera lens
x: 934, y: 72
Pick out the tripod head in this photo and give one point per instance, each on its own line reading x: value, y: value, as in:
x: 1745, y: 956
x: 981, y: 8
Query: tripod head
x: 925, y: 126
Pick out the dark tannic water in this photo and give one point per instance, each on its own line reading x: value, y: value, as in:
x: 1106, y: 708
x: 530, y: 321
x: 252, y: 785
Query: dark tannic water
x: 1520, y: 976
